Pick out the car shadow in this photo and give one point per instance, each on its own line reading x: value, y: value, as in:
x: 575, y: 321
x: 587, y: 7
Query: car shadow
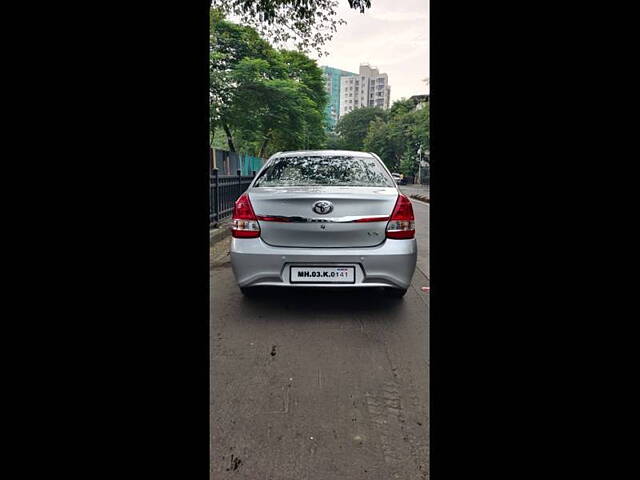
x: 324, y: 300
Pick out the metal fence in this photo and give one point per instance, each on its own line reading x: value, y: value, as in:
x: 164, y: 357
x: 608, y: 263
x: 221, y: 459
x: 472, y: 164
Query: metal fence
x: 228, y: 163
x: 224, y: 190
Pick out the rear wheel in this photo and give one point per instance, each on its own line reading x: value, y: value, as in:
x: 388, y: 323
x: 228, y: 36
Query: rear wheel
x: 396, y: 292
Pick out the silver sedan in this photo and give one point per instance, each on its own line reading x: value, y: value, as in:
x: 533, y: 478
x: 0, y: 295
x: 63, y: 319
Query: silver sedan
x: 323, y: 219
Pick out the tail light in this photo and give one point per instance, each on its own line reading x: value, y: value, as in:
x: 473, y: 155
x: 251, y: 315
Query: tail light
x: 402, y: 223
x: 245, y: 224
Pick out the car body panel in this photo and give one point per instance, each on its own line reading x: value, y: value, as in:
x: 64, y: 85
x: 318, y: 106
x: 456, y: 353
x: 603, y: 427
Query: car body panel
x: 390, y: 264
x: 301, y: 226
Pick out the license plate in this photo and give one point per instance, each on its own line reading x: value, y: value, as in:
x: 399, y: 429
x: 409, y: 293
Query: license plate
x: 323, y: 275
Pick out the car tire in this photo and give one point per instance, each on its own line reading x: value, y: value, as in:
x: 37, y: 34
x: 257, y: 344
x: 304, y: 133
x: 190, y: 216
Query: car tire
x: 396, y: 292
x: 249, y: 292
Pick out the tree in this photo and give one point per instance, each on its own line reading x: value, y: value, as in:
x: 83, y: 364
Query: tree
x: 228, y: 45
x: 353, y: 126
x: 334, y: 142
x: 272, y: 110
x: 306, y: 73
x: 397, y: 138
x: 262, y: 98
x: 308, y: 23
x: 401, y: 107
x: 386, y: 139
x: 409, y: 164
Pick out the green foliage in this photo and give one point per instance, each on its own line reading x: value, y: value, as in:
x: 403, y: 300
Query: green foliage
x: 334, y: 142
x: 397, y: 138
x: 265, y: 100
x: 386, y: 140
x: 353, y: 126
x: 308, y: 23
x: 401, y: 107
x: 408, y: 165
x: 305, y: 71
x: 308, y: 77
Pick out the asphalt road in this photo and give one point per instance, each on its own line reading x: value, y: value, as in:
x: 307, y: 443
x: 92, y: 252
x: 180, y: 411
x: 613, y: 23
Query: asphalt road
x: 317, y: 385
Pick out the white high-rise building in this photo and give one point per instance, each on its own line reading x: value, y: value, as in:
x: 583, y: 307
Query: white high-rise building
x: 369, y: 88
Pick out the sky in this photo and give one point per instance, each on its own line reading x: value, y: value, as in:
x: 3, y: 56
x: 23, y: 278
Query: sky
x: 392, y: 35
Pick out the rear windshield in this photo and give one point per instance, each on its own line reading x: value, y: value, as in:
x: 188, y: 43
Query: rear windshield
x: 315, y: 171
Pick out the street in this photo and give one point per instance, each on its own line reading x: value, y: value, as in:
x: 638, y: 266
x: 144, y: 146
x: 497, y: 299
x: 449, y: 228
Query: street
x: 319, y: 385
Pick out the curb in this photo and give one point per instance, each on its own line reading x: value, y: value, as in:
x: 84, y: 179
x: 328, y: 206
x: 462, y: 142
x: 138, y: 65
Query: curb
x: 422, y: 198
x: 219, y: 233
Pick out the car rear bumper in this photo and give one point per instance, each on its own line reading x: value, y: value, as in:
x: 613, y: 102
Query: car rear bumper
x: 390, y: 264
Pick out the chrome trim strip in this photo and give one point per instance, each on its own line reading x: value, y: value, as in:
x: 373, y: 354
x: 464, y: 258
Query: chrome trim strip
x: 349, y: 219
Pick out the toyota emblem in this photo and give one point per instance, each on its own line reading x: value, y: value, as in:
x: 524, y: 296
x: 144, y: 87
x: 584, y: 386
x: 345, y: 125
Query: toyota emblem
x: 323, y: 207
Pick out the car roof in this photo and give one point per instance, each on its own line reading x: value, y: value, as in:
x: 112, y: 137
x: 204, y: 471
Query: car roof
x: 323, y: 153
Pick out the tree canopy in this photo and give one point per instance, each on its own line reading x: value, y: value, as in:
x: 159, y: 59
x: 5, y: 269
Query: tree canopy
x: 308, y: 23
x: 263, y: 99
x: 353, y: 127
x: 397, y: 138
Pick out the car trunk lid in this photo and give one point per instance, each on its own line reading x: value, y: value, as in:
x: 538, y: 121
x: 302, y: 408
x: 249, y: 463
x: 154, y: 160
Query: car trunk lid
x: 358, y: 217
